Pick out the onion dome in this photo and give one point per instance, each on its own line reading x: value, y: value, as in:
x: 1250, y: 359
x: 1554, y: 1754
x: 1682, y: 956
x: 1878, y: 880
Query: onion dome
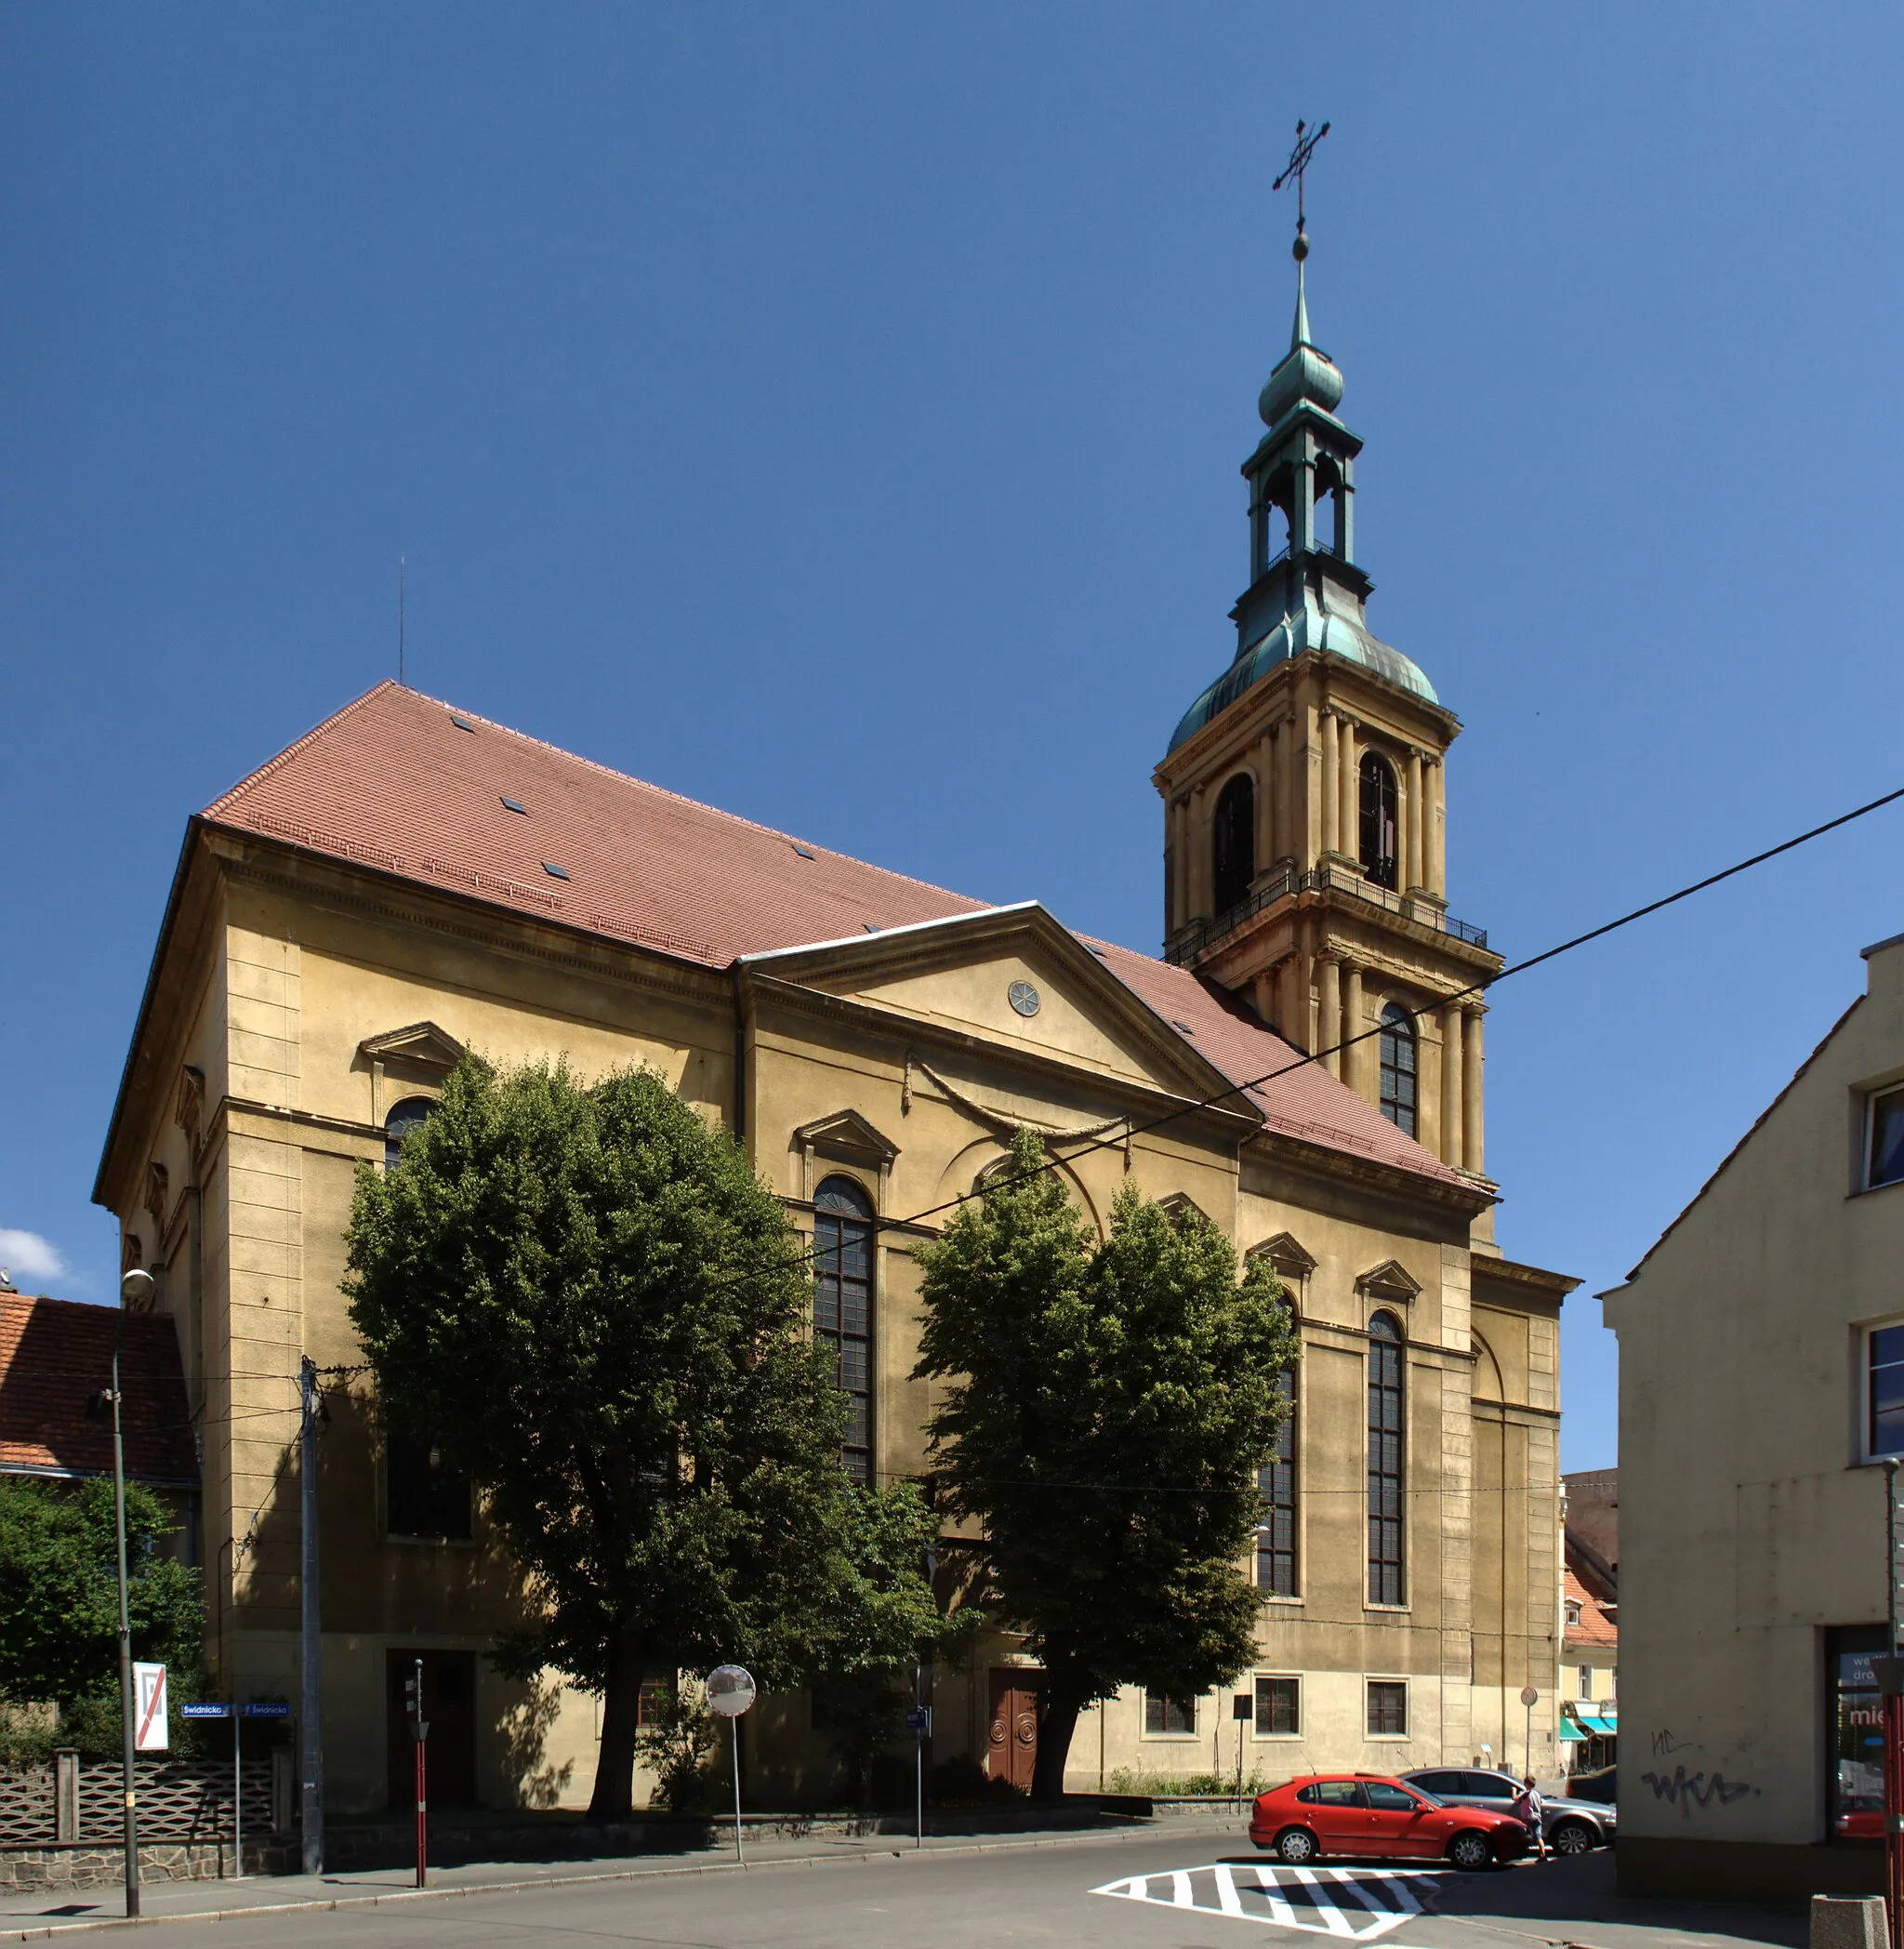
x: 1306, y: 376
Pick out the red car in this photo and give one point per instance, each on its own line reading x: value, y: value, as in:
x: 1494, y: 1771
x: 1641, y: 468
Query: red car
x: 1368, y: 1814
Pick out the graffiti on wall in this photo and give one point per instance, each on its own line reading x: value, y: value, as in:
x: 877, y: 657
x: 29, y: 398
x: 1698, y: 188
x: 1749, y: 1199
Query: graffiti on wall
x: 1697, y: 1791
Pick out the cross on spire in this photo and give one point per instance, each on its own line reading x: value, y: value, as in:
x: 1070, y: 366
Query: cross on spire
x: 1298, y: 167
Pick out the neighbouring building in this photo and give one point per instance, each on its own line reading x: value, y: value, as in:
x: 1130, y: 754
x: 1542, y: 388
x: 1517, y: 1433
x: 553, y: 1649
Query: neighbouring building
x: 1753, y: 1534
x: 412, y: 879
x: 56, y: 1419
x: 1590, y: 1620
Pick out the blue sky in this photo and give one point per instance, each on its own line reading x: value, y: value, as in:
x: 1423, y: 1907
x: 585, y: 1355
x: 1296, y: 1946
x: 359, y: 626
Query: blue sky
x: 834, y: 413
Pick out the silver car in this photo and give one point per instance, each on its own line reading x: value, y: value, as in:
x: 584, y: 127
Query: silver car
x: 1570, y: 1826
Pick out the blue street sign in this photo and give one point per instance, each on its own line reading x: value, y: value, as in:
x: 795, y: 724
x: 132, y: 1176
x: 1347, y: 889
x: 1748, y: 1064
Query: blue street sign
x: 270, y: 1709
x: 206, y: 1709
x: 919, y: 1720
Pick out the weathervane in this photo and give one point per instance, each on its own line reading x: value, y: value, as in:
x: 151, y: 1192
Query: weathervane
x: 1297, y: 167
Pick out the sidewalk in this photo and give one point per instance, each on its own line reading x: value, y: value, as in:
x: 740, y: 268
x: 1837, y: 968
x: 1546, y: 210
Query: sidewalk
x: 29, y: 1916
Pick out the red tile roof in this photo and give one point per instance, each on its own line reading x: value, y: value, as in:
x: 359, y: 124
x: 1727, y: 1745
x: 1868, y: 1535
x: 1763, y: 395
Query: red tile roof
x: 1595, y: 1626
x: 394, y: 783
x: 54, y: 1354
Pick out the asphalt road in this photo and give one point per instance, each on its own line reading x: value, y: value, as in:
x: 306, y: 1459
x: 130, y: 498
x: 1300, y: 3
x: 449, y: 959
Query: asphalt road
x: 1149, y: 1891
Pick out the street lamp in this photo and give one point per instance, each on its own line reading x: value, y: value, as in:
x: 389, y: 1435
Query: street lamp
x: 135, y: 1288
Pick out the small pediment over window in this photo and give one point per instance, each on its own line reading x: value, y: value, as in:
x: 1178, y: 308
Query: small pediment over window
x: 1180, y: 1204
x: 1391, y: 1280
x: 843, y: 1138
x: 1291, y: 1260
x: 421, y: 1046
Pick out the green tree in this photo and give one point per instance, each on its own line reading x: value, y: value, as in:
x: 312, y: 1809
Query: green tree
x: 588, y: 1300
x: 59, y: 1594
x: 1109, y: 1403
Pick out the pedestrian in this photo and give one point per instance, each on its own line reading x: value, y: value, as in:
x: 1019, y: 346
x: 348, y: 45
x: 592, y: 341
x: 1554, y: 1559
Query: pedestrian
x: 1530, y: 1811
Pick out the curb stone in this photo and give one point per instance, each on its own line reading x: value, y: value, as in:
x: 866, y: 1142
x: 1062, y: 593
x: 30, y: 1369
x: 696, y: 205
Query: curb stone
x: 390, y: 1897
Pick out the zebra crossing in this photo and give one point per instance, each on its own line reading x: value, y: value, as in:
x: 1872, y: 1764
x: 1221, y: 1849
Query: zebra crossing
x: 1357, y: 1904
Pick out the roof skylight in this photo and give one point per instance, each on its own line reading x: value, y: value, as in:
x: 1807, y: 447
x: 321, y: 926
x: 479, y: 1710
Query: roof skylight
x: 799, y: 849
x: 554, y: 871
x: 514, y: 806
x: 460, y: 726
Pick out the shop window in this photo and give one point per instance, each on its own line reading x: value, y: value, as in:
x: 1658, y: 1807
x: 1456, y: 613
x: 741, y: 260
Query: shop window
x: 1854, y: 1733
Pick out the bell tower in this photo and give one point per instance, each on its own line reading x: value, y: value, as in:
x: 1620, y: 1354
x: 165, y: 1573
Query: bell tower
x: 1305, y: 800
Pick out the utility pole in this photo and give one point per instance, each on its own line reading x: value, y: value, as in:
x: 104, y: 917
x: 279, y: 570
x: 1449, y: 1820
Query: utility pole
x: 135, y: 1285
x: 311, y: 1722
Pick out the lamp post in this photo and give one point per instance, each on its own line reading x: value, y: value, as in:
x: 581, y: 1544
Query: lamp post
x: 134, y: 1289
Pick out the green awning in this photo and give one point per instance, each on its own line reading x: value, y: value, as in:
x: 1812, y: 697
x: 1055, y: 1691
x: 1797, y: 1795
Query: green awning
x: 1568, y: 1731
x: 1594, y: 1723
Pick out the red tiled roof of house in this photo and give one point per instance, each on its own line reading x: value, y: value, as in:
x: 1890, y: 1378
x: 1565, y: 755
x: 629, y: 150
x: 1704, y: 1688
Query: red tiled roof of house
x: 406, y: 785
x: 54, y: 1355
x: 1594, y: 1627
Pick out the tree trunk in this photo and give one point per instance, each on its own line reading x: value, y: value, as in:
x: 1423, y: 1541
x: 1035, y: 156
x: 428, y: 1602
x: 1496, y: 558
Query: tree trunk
x: 1057, y: 1720
x: 614, y: 1798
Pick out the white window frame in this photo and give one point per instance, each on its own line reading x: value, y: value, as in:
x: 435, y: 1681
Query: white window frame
x: 1586, y: 1682
x: 1406, y: 1734
x: 1865, y: 1335
x: 1144, y: 1730
x: 1872, y: 1099
x: 1256, y: 1730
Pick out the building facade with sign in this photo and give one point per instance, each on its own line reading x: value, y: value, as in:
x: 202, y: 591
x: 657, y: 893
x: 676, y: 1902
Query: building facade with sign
x: 1752, y: 1504
x: 412, y: 880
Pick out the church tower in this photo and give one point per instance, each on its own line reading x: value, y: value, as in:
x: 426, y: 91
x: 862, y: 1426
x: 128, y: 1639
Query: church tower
x: 1304, y: 805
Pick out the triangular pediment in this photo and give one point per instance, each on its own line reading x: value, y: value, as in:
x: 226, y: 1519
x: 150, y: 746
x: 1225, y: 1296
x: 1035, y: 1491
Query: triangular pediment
x: 1013, y: 977
x: 1290, y: 1258
x: 420, y: 1046
x: 848, y: 1137
x: 1391, y: 1280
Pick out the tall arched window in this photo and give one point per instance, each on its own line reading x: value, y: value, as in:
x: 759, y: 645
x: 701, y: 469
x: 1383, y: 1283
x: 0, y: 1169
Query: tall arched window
x: 1397, y: 1044
x: 1233, y: 843
x: 1385, y: 1436
x: 402, y: 1118
x: 843, y: 1308
x: 1378, y: 801
x: 1276, y: 1482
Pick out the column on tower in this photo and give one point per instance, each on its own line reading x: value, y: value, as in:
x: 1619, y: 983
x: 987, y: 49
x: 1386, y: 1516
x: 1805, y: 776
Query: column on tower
x: 1452, y: 1102
x: 1197, y: 841
x: 1331, y: 788
x: 1472, y: 1062
x: 1415, y: 825
x: 1178, y: 864
x: 1438, y: 847
x: 1353, y: 1067
x: 1310, y: 784
x: 1293, y: 1006
x: 1330, y: 1011
x: 1291, y: 761
x: 1265, y: 799
x: 1348, y: 818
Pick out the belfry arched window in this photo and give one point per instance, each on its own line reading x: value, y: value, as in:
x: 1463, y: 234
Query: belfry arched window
x: 1380, y: 801
x: 843, y: 1308
x: 1233, y: 843
x: 403, y: 1117
x: 1386, y: 1487
x: 1397, y: 1044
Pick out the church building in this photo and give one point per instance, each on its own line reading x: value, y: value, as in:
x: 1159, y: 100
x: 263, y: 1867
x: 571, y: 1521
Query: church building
x: 411, y: 881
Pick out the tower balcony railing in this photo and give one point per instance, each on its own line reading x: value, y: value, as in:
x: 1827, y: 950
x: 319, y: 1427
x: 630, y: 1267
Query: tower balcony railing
x: 1190, y: 940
